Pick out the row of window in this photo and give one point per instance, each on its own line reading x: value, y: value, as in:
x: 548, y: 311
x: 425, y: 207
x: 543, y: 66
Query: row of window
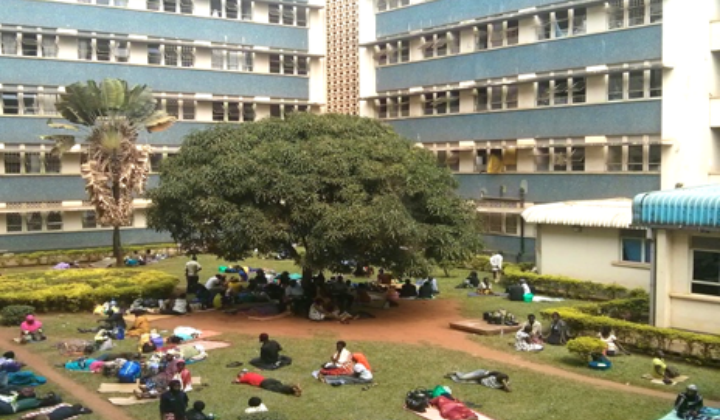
x: 561, y: 158
x: 44, y: 221
x: 109, y: 50
x: 636, y: 84
x: 227, y: 9
x: 382, y: 5
x: 501, y: 223
x: 548, y: 25
x: 32, y: 163
x: 231, y: 111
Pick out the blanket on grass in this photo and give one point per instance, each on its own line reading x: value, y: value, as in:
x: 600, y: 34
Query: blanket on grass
x: 432, y: 413
x: 709, y: 413
x: 115, y: 388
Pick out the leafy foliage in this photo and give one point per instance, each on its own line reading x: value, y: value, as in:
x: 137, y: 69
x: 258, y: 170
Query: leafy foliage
x: 585, y: 346
x: 74, y: 290
x: 114, y: 113
x: 14, y: 315
x: 341, y: 187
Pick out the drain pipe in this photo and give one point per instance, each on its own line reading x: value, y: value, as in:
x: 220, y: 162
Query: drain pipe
x: 652, y: 237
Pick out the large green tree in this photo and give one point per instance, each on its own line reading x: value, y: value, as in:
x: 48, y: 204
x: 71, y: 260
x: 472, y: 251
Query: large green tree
x: 112, y: 115
x: 340, y: 187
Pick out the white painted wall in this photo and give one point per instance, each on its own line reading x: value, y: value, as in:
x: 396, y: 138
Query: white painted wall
x: 587, y: 255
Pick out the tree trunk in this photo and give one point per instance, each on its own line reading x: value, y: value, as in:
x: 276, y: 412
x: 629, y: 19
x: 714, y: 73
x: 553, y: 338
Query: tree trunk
x: 117, y: 247
x: 307, y: 273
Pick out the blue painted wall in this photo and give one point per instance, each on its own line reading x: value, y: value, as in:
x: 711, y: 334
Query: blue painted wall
x: 78, y: 240
x: 635, y: 44
x: 28, y: 130
x: 35, y: 72
x: 548, y: 188
x: 511, y: 247
x: 21, y: 188
x: 621, y: 118
x: 167, y: 25
x: 443, y: 12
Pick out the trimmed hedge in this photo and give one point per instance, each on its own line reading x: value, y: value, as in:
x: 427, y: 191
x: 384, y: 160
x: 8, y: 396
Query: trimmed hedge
x: 702, y: 348
x: 76, y: 290
x: 568, y: 287
x: 14, y: 315
x: 69, y: 255
x: 583, y: 347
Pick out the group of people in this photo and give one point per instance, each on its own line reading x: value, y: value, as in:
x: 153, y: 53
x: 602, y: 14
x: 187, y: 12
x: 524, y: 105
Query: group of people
x: 148, y: 257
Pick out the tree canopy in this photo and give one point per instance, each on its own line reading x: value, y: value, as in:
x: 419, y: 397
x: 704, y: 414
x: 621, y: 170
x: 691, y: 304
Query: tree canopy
x: 342, y: 188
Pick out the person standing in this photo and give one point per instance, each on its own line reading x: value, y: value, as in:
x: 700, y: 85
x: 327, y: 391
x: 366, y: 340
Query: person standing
x: 192, y: 274
x: 173, y: 402
x: 496, y: 263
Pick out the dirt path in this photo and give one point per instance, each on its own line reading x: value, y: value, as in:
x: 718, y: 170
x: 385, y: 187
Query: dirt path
x: 101, y: 407
x: 415, y: 322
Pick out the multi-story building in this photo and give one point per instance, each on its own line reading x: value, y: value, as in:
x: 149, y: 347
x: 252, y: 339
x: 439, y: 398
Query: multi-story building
x: 537, y: 101
x: 208, y: 61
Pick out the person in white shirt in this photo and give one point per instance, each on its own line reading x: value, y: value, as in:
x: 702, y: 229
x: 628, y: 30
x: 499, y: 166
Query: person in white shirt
x: 611, y: 345
x: 255, y: 405
x: 523, y: 340
x: 361, y: 375
x: 525, y: 287
x: 192, y: 270
x: 496, y: 262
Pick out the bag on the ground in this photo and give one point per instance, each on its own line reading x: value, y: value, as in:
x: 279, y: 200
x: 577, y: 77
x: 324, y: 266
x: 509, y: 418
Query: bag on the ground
x: 672, y: 372
x: 418, y: 400
x: 129, y: 373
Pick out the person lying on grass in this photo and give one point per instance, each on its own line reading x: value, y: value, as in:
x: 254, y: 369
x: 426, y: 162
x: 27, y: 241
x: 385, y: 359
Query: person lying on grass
x: 270, y: 358
x: 361, y: 374
x: 57, y: 412
x: 490, y: 379
x: 269, y: 384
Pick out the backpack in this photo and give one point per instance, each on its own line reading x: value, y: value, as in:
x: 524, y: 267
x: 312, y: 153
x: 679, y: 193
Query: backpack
x: 129, y: 373
x: 418, y: 400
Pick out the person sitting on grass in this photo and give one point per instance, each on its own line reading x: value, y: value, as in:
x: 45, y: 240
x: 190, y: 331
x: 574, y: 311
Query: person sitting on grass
x: 196, y: 413
x: 408, y: 290
x: 557, y: 336
x: 689, y: 403
x: 662, y: 371
x: 524, y: 342
x: 114, y: 320
x: 57, y: 412
x: 177, y: 306
x: 173, y: 402
x: 318, y: 312
x: 340, y: 363
x: 268, y: 384
x: 611, y: 345
x: 426, y: 290
x: 255, y: 405
x: 361, y: 374
x: 535, y: 329
x: 9, y: 364
x: 490, y: 379
x: 471, y: 282
x: 485, y: 287
x: 140, y: 326
x: 270, y: 358
x: 31, y: 330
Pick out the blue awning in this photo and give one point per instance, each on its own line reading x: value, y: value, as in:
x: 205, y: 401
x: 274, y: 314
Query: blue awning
x: 693, y: 208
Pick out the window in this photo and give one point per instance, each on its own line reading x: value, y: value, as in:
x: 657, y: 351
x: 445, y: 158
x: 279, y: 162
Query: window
x: 217, y: 59
x: 233, y: 111
x: 544, y: 26
x: 441, y: 102
x: 512, y: 32
x: 656, y: 11
x: 636, y: 84
x: 54, y: 221
x: 9, y: 43
x: 153, y: 5
x: 654, y: 157
x: 511, y: 224
x: 248, y: 112
x: 53, y: 164
x: 246, y: 10
x: 170, y: 6
x: 288, y: 15
x: 656, y: 83
x: 481, y: 38
x: 404, y: 51
x: 249, y: 58
x: 562, y: 23
x: 89, y: 220
x: 33, y: 163
x: 47, y: 103
x: 706, y: 273
x: 640, y: 84
x: 171, y: 55
x: 154, y: 55
x: 501, y: 223
x: 30, y: 105
x: 301, y: 16
x: 302, y: 66
x: 231, y: 9
x: 481, y: 99
x: 636, y: 12
x: 14, y: 222
x: 274, y: 63
x: 275, y: 111
x: 188, y: 110
x: 12, y: 163
x: 11, y: 104
x: 49, y: 46
x: 103, y: 49
x: 559, y: 158
x: 155, y: 161
x: 635, y: 158
x: 187, y: 56
x: 288, y: 64
x: 218, y: 111
x: 615, y: 87
x: 186, y: 6
x: 215, y: 8
x: 122, y: 51
x: 393, y: 107
x: 34, y: 222
x: 614, y: 158
x: 172, y: 107
x: 274, y: 13
x: 579, y: 22
x: 616, y: 14
x: 635, y: 247
x: 29, y: 45
x: 85, y: 50
x: 561, y: 91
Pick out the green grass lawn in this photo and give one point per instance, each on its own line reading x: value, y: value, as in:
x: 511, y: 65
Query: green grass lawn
x: 398, y: 368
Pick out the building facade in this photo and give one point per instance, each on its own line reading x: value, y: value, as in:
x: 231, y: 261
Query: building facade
x: 540, y: 101
x: 208, y: 62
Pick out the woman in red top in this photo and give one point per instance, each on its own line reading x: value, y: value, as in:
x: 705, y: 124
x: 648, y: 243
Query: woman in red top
x: 183, y: 375
x: 272, y: 385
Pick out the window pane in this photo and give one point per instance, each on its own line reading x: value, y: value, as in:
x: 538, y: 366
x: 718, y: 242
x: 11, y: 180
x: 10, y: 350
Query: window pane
x: 187, y: 56
x: 122, y: 51
x: 103, y: 49
x: 616, y: 14
x: 637, y: 85
x: 441, y: 103
x: 53, y: 164
x: 12, y: 163
x: 496, y: 97
x: 577, y: 159
x: 88, y: 220
x: 275, y: 111
x: 562, y: 24
x: 34, y: 222
x: 428, y: 108
x: 248, y: 112
x: 481, y: 38
x: 169, y: 6
x: 614, y: 158
x: 301, y: 16
x: 11, y: 105
x: 481, y: 101
x: 218, y: 111
x: 233, y: 60
x: 635, y: 158
x: 231, y: 9
x: 274, y: 63
x: 511, y: 97
x: 154, y: 56
x: 288, y: 64
x: 542, y: 159
x: 14, y: 222
x: 512, y: 32
x: 233, y: 111
x: 171, y: 55
x: 454, y: 102
x: 579, y: 25
x: 706, y: 269
x: 32, y: 163
x: 54, y: 220
x: 288, y: 15
x: 654, y: 157
x: 29, y: 45
x: 632, y: 249
x: 188, y: 109
x: 615, y: 87
x: 217, y: 59
x: 246, y: 9
x: 511, y: 224
x: 578, y: 90
x: 441, y: 45
x: 543, y: 93
x: 9, y: 43
x: 493, y: 222
x: 656, y: 11
x: 636, y: 12
x: 49, y: 46
x: 30, y: 104
x: 274, y: 13
x: 561, y: 92
x: 544, y: 26
x: 656, y: 83
x: 84, y: 49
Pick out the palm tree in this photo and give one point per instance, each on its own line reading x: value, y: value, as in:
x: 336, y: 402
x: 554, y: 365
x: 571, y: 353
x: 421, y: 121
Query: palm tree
x: 113, y: 115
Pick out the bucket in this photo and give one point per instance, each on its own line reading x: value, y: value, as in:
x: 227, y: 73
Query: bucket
x: 528, y: 297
